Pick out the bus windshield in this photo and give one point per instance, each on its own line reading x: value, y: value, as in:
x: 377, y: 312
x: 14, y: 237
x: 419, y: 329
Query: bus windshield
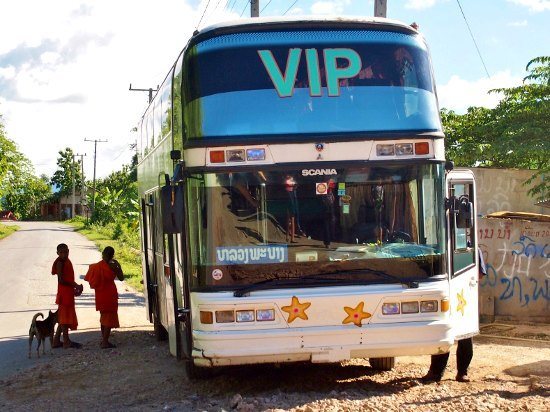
x: 253, y: 226
x: 285, y: 83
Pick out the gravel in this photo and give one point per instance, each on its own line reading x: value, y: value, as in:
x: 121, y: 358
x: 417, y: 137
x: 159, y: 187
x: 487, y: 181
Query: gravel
x: 141, y: 375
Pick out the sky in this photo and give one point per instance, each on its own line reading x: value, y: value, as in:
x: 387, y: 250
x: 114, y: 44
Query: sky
x: 66, y: 65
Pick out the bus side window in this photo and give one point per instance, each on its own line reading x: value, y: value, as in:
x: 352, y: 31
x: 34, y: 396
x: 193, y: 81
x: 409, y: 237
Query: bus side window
x: 463, y: 238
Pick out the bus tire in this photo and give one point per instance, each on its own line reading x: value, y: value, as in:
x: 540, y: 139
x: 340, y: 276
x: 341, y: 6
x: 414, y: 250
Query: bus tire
x: 382, y: 364
x: 161, y: 333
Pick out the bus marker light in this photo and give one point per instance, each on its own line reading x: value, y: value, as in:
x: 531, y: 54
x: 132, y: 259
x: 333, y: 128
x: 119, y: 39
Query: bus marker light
x: 217, y: 156
x: 236, y: 155
x: 245, y: 316
x: 207, y: 318
x: 385, y: 150
x: 390, y: 308
x: 265, y: 314
x: 255, y: 154
x: 409, y: 307
x: 421, y: 148
x: 428, y: 306
x: 403, y: 149
x: 225, y: 316
x: 445, y: 305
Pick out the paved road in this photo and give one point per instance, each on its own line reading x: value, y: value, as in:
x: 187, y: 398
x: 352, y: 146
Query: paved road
x: 27, y: 287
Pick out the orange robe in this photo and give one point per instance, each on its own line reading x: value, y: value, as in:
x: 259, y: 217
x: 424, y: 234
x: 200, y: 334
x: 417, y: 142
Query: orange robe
x: 65, y: 296
x: 102, y: 279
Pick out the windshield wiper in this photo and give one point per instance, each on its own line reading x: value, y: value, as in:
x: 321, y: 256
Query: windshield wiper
x: 270, y: 283
x: 410, y: 283
x: 320, y: 277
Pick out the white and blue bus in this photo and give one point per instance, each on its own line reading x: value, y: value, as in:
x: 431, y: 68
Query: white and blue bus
x: 296, y: 204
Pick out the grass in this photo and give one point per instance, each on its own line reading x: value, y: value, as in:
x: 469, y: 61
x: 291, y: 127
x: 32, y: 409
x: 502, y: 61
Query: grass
x: 126, y: 249
x: 6, y: 230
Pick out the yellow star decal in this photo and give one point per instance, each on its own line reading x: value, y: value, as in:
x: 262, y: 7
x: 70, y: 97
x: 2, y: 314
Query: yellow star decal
x: 296, y: 309
x: 461, y: 302
x: 356, y: 315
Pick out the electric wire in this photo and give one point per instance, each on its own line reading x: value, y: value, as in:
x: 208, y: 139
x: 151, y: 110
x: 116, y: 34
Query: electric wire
x: 245, y: 5
x: 474, y: 40
x: 212, y: 11
x: 263, y: 8
x: 203, y: 13
x: 291, y: 6
x: 232, y: 5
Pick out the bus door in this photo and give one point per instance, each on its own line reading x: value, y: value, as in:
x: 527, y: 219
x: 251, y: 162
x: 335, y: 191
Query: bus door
x: 464, y: 263
x: 173, y: 252
x: 149, y: 278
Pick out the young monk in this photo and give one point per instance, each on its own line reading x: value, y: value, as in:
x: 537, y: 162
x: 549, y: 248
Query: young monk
x: 101, y: 277
x: 66, y: 288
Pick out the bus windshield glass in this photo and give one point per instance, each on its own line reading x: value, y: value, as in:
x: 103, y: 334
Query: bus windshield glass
x: 287, y: 84
x: 249, y: 227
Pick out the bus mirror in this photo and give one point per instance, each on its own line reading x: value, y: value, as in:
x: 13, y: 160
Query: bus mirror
x: 465, y: 215
x: 172, y: 209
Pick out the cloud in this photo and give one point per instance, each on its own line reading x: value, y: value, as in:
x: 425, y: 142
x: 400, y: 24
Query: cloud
x: 459, y: 94
x: 65, y: 71
x: 419, y: 4
x: 533, y: 5
x: 328, y: 7
x: 522, y: 23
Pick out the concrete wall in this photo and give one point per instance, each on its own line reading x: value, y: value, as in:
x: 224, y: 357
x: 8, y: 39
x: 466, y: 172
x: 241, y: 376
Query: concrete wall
x: 503, y: 190
x: 517, y: 253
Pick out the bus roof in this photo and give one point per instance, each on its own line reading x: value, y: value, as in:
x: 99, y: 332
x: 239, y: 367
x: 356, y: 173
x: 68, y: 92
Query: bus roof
x: 307, y: 22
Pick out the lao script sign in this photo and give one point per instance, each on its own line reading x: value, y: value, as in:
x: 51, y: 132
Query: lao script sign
x: 243, y: 255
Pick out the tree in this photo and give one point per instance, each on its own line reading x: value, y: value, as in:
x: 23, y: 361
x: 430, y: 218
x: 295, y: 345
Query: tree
x: 20, y: 190
x: 67, y: 167
x: 514, y: 134
x: 116, y: 197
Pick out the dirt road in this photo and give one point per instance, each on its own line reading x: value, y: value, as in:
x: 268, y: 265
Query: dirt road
x: 140, y: 375
x: 28, y: 287
x: 508, y: 375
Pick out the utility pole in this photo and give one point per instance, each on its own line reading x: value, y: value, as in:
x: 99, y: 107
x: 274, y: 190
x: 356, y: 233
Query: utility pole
x: 254, y: 8
x: 380, y: 7
x: 82, y: 174
x: 74, y: 179
x: 96, y: 141
x: 150, y: 90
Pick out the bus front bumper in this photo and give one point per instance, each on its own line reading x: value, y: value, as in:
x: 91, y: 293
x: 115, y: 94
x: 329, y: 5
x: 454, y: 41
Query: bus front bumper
x: 320, y: 344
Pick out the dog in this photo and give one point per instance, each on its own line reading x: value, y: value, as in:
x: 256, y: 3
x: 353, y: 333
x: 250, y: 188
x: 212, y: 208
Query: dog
x: 42, y: 329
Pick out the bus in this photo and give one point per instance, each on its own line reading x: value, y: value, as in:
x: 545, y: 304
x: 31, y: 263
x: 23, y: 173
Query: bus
x: 296, y: 204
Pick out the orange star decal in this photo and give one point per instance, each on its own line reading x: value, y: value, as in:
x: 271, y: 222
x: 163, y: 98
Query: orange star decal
x: 356, y: 315
x: 461, y: 302
x: 296, y: 309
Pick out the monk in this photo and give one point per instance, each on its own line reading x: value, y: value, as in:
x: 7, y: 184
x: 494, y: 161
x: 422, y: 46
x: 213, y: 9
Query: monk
x: 66, y: 290
x: 101, y: 277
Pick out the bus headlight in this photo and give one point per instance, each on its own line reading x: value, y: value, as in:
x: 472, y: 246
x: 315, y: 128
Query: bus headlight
x: 409, y: 307
x: 265, y: 314
x: 428, y: 306
x: 390, y: 308
x: 225, y: 316
x: 245, y: 316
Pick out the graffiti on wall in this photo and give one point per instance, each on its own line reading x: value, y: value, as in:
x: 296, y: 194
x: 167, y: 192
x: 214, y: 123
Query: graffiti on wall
x: 518, y: 266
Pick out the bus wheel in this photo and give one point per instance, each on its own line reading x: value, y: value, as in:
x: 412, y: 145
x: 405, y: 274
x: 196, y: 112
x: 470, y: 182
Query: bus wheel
x: 382, y: 364
x: 160, y: 333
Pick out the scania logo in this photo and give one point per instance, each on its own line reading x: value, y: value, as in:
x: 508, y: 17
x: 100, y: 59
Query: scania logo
x: 319, y: 172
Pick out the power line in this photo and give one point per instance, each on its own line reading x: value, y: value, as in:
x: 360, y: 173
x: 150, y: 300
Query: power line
x: 474, y: 40
x: 206, y: 8
x: 233, y: 5
x: 96, y: 141
x: 291, y: 6
x: 245, y: 5
x: 263, y: 8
